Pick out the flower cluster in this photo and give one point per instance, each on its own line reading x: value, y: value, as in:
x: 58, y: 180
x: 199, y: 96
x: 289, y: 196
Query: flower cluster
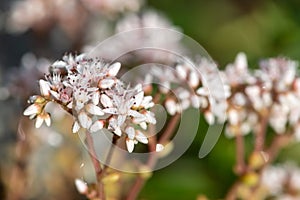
x: 281, y: 181
x: 69, y: 15
x: 90, y: 91
x: 270, y: 93
x: 186, y: 85
x: 154, y: 35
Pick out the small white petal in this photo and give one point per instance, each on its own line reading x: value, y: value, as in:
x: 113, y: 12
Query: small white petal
x: 130, y: 132
x: 138, y: 120
x: 106, y: 83
x: 81, y: 186
x: 143, y: 125
x: 193, y: 79
x: 241, y: 61
x: 170, y: 106
x: 245, y: 128
x: 184, y: 105
x: 98, y: 125
x: 44, y: 87
x: 267, y: 99
x: 94, y: 110
x: 233, y: 117
x: 95, y: 98
x: 47, y: 120
x: 183, y: 94
x: 150, y: 117
x: 118, y: 131
x: 239, y: 99
x: 70, y: 105
x: 32, y: 110
x: 135, y: 114
x: 110, y: 110
x: 32, y: 116
x: 80, y: 57
x: 139, y: 136
x: 59, y: 64
x: 79, y: 105
x: 75, y: 127
x: 289, y: 75
x: 195, y: 101
x: 159, y: 147
x: 252, y: 91
x: 165, y: 87
x: 179, y: 108
x: 209, y: 117
x: 39, y: 121
x: 203, y: 102
x: 130, y: 145
x: 139, y: 98
x: 181, y: 71
x: 147, y: 102
x: 106, y: 101
x: 85, y: 120
x: 54, y: 94
x: 203, y: 91
x: 120, y: 120
x: 114, y: 69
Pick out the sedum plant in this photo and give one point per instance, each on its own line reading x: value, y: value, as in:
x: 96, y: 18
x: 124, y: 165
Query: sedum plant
x: 89, y: 89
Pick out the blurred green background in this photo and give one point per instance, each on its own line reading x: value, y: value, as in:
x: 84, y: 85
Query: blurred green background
x: 225, y: 27
x: 259, y: 28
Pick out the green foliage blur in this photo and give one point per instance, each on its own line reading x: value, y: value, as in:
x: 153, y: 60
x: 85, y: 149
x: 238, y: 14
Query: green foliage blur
x: 261, y: 29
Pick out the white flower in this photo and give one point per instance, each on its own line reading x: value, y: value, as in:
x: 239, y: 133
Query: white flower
x: 273, y: 178
x: 237, y: 73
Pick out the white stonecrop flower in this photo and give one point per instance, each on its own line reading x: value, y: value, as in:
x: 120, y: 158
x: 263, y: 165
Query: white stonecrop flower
x: 273, y: 178
x: 270, y: 91
x: 280, y: 179
x: 130, y: 104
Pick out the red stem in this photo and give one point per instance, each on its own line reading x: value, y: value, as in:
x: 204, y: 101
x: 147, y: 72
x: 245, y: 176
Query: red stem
x: 140, y: 181
x: 97, y: 165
